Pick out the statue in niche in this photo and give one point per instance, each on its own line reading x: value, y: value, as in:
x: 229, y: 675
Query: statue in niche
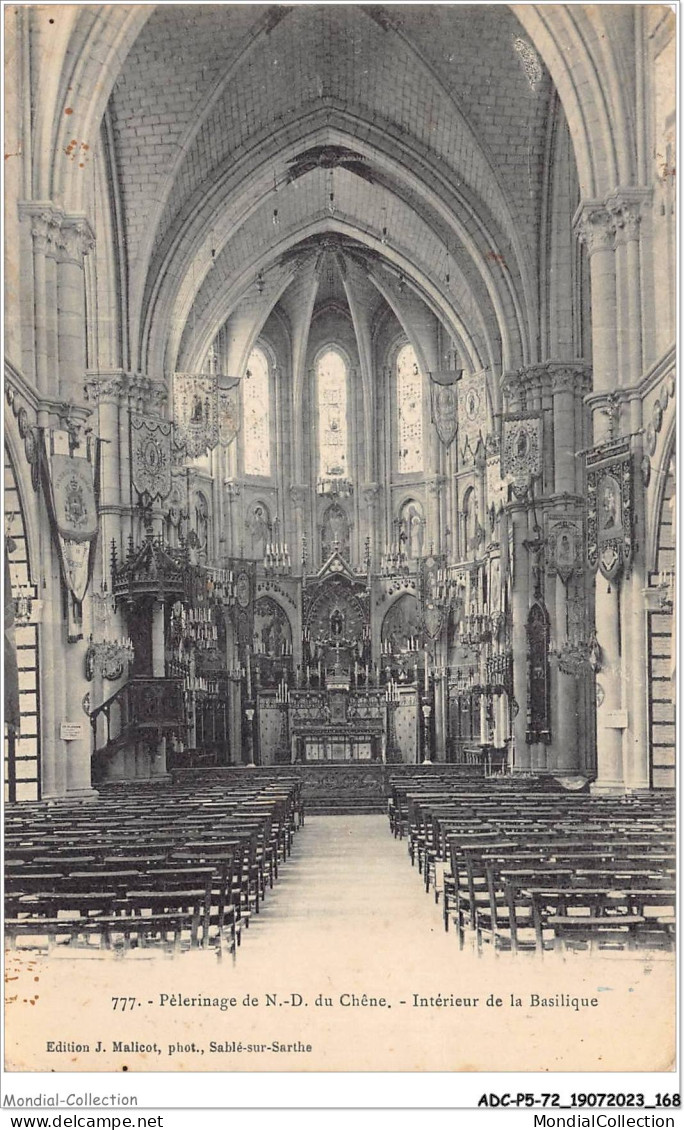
x: 336, y: 624
x: 335, y: 533
x: 260, y: 528
x: 202, y: 519
x: 412, y: 525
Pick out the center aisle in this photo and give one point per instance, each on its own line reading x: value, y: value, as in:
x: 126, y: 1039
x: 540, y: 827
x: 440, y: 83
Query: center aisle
x: 347, y: 877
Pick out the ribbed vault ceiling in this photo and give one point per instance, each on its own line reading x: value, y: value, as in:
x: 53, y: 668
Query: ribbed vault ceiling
x: 417, y: 134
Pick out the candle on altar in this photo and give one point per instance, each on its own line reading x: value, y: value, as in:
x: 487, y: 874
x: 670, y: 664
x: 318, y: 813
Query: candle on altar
x: 427, y: 676
x: 249, y: 675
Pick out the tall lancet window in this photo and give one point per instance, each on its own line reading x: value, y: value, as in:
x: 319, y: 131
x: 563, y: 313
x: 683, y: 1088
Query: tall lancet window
x: 409, y: 388
x: 256, y: 416
x: 332, y: 393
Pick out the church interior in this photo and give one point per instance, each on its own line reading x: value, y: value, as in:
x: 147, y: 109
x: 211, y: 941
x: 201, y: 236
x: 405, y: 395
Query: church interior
x: 340, y: 451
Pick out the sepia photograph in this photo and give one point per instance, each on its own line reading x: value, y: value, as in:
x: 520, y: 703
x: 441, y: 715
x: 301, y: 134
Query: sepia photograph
x: 340, y: 567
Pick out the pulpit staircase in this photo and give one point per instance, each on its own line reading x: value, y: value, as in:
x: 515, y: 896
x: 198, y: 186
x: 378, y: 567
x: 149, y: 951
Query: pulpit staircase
x: 140, y: 713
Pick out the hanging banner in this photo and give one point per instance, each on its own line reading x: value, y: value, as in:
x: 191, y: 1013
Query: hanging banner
x: 431, y: 588
x: 151, y: 455
x: 73, y: 497
x: 472, y: 412
x: 228, y: 409
x: 178, y: 505
x: 610, y: 500
x: 564, y: 542
x: 497, y: 486
x: 242, y: 612
x: 195, y: 413
x: 444, y: 400
x: 521, y: 456
x: 71, y: 486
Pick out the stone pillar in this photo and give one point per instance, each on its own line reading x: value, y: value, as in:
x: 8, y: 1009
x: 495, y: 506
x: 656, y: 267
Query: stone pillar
x: 594, y: 228
x: 609, y: 735
x: 434, y: 531
x: 624, y: 207
x: 371, y: 493
x: 52, y: 707
x: 440, y: 684
x: 564, y: 725
x: 233, y: 492
x: 76, y: 239
x: 44, y: 220
x: 299, y: 494
x: 520, y: 609
x: 78, y: 751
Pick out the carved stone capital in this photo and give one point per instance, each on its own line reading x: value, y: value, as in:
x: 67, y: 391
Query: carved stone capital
x: 45, y: 220
x: 145, y: 394
x: 594, y: 226
x: 299, y: 494
x: 435, y: 484
x: 571, y: 376
x: 625, y: 208
x: 76, y: 240
x: 370, y: 492
x: 106, y: 388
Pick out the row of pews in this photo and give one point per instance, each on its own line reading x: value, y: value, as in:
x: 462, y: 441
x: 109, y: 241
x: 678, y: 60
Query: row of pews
x: 520, y: 868
x: 178, y: 867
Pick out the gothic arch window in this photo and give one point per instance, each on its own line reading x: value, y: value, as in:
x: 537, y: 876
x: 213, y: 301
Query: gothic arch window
x: 409, y: 402
x: 256, y: 416
x: 332, y: 400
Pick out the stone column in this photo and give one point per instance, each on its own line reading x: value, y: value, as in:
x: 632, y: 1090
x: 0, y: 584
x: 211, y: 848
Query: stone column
x: 78, y: 751
x: 624, y: 207
x: 233, y: 492
x: 371, y: 493
x: 75, y: 241
x: 564, y: 726
x: 440, y: 714
x: 299, y: 494
x: 44, y: 220
x: 434, y: 532
x: 594, y: 228
x: 520, y: 610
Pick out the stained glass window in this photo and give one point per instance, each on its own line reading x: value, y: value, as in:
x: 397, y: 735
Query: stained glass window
x: 331, y: 382
x: 256, y: 416
x: 409, y: 411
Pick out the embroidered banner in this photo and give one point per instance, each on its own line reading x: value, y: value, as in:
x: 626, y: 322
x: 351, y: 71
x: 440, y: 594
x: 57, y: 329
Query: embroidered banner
x: 151, y: 455
x: 71, y: 486
x: 472, y: 412
x: 521, y: 456
x: 610, y: 491
x: 564, y: 540
x: 195, y: 412
x: 430, y: 594
x: 73, y: 497
x: 444, y: 399
x: 229, y: 409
